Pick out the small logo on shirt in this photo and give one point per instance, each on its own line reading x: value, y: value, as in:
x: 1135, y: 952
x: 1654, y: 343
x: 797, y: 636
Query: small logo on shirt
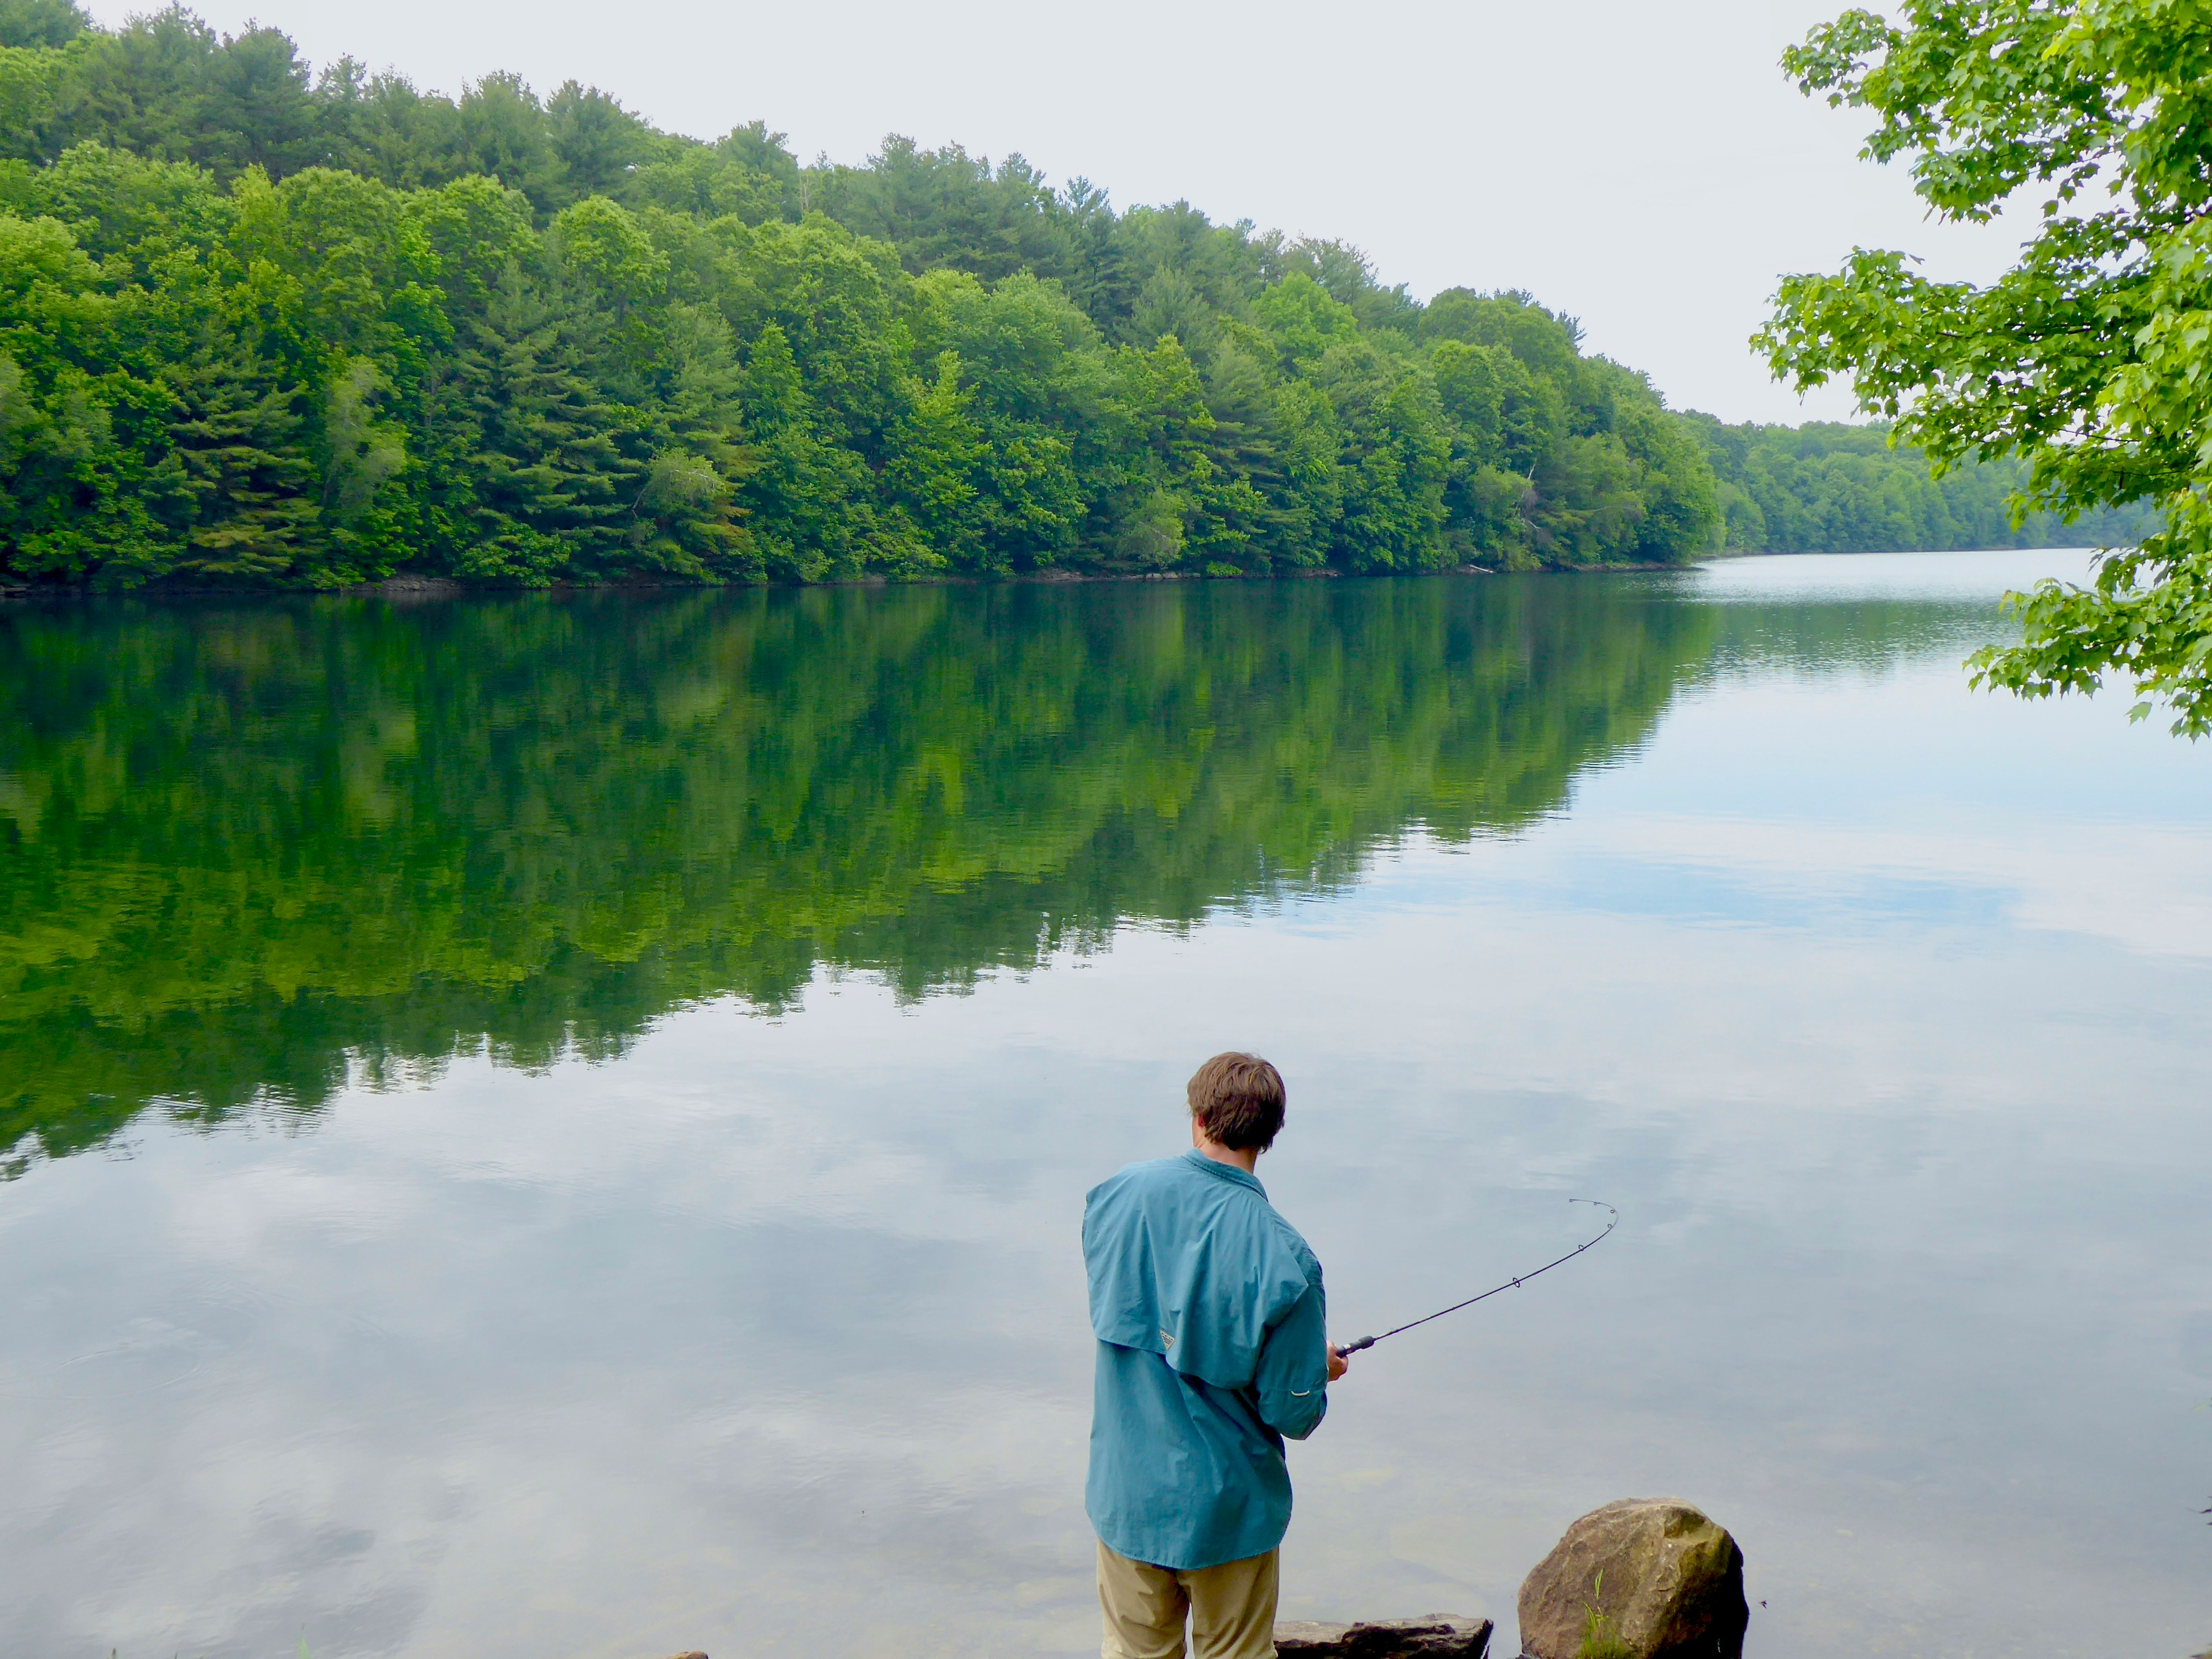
x: 1168, y: 1337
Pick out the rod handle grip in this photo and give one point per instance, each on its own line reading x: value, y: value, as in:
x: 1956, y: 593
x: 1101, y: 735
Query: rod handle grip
x: 1351, y: 1348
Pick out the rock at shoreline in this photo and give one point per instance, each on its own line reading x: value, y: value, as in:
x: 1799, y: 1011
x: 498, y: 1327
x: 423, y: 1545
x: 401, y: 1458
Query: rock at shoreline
x: 1662, y: 1580
x: 1433, y: 1635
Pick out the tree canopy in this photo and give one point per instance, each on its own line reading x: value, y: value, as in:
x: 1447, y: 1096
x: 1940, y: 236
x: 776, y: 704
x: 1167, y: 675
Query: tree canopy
x: 261, y: 324
x: 2090, y: 360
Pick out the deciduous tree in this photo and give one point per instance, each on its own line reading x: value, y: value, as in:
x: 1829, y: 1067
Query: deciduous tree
x: 2091, y: 358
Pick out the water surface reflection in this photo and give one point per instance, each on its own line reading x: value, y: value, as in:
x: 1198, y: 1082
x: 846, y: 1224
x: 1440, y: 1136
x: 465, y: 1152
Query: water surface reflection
x: 1876, y: 1006
x: 250, y: 846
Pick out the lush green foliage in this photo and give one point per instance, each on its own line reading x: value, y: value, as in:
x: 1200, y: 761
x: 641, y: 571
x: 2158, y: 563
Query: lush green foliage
x: 2091, y: 359
x: 261, y: 326
x: 244, y: 849
x: 1824, y: 487
x: 259, y: 329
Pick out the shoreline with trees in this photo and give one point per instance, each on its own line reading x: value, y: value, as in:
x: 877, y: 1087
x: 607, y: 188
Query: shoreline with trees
x: 264, y: 327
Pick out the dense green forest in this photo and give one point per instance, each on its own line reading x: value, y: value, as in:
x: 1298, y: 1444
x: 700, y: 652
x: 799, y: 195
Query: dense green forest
x: 248, y: 848
x: 1823, y: 488
x: 261, y: 326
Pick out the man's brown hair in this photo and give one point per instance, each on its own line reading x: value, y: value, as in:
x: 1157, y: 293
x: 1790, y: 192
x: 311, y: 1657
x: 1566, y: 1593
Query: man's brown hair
x: 1238, y: 1101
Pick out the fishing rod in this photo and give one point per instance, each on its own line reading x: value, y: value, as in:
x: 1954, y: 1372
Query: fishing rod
x: 1351, y: 1348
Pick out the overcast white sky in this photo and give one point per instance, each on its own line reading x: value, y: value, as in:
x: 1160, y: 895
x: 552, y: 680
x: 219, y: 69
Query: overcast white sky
x: 1641, y: 164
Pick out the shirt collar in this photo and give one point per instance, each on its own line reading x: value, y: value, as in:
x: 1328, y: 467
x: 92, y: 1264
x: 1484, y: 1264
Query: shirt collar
x: 1214, y: 1166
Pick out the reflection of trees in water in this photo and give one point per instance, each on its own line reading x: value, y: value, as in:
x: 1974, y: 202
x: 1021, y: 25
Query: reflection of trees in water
x: 1847, y: 634
x: 249, y: 846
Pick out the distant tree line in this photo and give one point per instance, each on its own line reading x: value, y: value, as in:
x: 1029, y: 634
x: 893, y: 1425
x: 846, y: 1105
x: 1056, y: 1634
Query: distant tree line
x: 260, y: 324
x: 1828, y: 488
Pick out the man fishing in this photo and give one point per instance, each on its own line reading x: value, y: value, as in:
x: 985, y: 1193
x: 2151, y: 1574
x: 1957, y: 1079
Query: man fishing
x: 1212, y: 1347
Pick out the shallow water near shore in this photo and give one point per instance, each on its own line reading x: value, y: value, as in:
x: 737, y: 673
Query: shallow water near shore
x: 557, y: 1126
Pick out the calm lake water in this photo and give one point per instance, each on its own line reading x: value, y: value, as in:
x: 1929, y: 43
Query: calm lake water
x: 557, y: 1125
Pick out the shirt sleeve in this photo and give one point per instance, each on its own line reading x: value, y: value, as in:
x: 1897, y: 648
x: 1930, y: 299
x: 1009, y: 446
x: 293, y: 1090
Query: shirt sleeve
x: 1291, y: 1384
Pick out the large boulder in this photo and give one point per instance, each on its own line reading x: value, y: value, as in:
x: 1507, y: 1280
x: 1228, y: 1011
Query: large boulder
x: 1643, y: 1578
x: 1432, y: 1635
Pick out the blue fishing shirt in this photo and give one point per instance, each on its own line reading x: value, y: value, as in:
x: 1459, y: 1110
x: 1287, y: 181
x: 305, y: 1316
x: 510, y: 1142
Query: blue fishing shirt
x: 1212, y: 1346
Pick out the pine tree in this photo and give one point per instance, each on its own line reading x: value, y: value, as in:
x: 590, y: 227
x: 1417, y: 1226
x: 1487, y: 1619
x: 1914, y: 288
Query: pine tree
x: 557, y: 462
x: 240, y: 465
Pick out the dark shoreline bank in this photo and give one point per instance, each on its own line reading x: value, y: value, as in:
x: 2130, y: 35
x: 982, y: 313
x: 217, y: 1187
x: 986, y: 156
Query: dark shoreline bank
x: 413, y: 586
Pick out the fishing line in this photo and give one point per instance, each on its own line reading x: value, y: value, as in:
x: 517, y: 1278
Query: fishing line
x: 1510, y: 1284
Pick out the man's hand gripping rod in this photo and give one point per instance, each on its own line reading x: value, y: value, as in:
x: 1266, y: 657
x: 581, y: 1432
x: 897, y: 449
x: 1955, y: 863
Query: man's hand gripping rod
x: 1351, y: 1348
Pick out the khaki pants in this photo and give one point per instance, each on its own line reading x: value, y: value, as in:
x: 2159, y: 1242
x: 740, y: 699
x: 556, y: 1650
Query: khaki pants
x: 1231, y: 1608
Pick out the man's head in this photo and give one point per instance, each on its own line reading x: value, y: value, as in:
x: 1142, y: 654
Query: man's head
x: 1237, y: 1101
